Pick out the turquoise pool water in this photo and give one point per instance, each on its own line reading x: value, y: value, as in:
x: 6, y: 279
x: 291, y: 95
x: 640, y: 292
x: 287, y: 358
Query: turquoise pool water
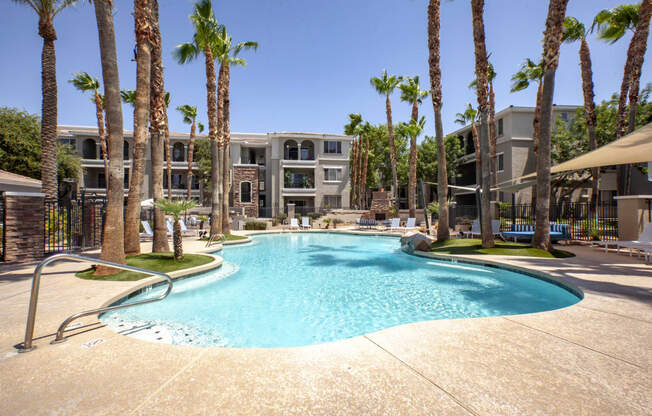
x: 306, y: 288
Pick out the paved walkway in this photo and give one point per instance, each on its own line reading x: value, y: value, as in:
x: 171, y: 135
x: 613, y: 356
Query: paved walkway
x: 593, y: 358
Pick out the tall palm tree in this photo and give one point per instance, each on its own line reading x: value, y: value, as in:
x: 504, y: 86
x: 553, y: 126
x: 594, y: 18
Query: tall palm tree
x: 113, y: 236
x: 434, y: 66
x: 157, y: 131
x: 365, y: 132
x: 551, y: 43
x: 46, y: 10
x: 470, y: 116
x: 413, y: 130
x: 482, y: 75
x: 141, y: 99
x: 227, y: 55
x: 385, y: 85
x: 612, y: 25
x: 83, y: 81
x: 575, y: 31
x: 412, y: 93
x: 189, y: 113
x: 168, y: 148
x: 205, y: 41
x: 353, y: 128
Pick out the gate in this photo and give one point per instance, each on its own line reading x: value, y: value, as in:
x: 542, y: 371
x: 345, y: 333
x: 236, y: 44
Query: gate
x: 73, y: 224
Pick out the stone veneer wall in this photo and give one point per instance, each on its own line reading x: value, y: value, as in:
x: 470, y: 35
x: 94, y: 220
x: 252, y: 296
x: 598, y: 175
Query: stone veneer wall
x: 24, y: 226
x: 246, y: 174
x: 381, y: 203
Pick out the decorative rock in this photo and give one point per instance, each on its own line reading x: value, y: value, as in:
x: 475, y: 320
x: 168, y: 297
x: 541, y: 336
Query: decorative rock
x: 416, y: 241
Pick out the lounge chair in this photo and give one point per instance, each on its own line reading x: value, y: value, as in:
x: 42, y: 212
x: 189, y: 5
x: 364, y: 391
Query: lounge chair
x: 526, y: 231
x: 305, y: 222
x: 395, y: 224
x: 184, y: 229
x: 148, y: 230
x: 294, y: 223
x: 170, y: 227
x: 411, y: 224
x: 366, y: 222
x: 475, y: 230
x: 642, y: 245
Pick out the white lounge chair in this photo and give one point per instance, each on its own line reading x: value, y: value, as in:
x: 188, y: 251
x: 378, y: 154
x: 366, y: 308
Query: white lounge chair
x: 475, y: 229
x: 294, y: 223
x: 148, y: 230
x: 305, y: 222
x: 495, y: 228
x: 184, y: 229
x: 169, y: 226
x: 411, y: 224
x: 395, y: 224
x: 641, y: 245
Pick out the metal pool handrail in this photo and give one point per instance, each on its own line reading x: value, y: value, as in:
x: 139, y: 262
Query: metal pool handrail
x: 213, y: 237
x: 36, y: 280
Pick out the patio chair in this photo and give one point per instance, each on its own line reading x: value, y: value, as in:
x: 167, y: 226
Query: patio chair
x: 148, y: 230
x: 475, y: 229
x: 184, y: 229
x: 411, y: 224
x: 294, y: 223
x: 305, y: 222
x: 169, y: 226
x: 395, y: 224
x: 642, y: 245
x: 495, y: 228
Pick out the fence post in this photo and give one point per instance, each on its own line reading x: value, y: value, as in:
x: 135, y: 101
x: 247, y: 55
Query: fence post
x: 513, y: 210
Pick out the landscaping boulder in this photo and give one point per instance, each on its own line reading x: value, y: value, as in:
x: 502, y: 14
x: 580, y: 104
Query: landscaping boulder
x: 416, y: 241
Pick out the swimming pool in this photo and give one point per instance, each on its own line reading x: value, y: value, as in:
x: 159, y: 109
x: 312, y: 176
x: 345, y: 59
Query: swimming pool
x: 299, y: 289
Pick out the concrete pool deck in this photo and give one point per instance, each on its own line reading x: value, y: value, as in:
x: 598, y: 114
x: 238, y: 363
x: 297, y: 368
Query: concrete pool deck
x: 592, y: 358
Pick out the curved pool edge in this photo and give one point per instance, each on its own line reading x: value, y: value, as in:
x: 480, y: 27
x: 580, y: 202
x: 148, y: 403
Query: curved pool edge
x: 156, y: 280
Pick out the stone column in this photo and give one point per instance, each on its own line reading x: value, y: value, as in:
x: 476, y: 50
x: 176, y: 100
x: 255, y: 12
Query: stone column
x: 633, y: 214
x: 24, y: 226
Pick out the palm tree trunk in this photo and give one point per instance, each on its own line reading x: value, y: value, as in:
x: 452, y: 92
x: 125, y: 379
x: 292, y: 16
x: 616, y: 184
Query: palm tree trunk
x: 177, y: 240
x: 589, y: 110
x: 354, y: 148
x: 359, y: 179
x: 364, y: 174
x: 412, y: 185
x: 551, y: 43
x: 392, y: 152
x: 226, y: 157
x: 142, y: 17
x: 211, y: 97
x: 493, y: 139
x: 536, y: 133
x: 478, y: 157
x: 112, y: 239
x: 168, y: 156
x: 49, y: 184
x: 443, y: 232
x: 482, y: 75
x: 157, y: 132
x: 99, y: 114
x: 191, y: 150
x: 220, y: 147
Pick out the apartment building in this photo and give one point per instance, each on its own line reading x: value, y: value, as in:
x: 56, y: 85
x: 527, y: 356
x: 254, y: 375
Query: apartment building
x: 269, y: 170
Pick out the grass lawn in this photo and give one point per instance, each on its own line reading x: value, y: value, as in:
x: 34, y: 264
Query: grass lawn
x: 470, y: 246
x: 229, y: 237
x: 160, y: 262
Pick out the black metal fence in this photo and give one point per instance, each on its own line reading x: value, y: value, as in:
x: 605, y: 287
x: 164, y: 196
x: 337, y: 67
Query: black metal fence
x: 587, y: 221
x: 73, y: 224
x: 3, y: 228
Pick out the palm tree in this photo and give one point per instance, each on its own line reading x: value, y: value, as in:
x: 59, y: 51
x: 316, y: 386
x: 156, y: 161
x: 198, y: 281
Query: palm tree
x: 168, y: 149
x: 189, y: 113
x: 470, y: 116
x: 83, y: 81
x: 551, y: 42
x: 365, y: 131
x: 141, y: 100
x: 113, y: 236
x: 227, y: 55
x: 492, y: 124
x: 46, y: 10
x: 413, y: 130
x: 443, y: 232
x: 385, y: 85
x: 157, y: 131
x: 175, y: 208
x: 353, y: 128
x: 205, y: 41
x: 412, y: 93
x: 575, y: 31
x: 612, y: 25
x: 482, y: 75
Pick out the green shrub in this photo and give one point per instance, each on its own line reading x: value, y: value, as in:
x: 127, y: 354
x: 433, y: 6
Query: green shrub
x: 315, y: 215
x: 255, y: 225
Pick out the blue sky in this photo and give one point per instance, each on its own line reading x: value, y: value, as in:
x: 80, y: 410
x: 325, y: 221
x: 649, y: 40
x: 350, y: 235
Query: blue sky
x: 314, y: 61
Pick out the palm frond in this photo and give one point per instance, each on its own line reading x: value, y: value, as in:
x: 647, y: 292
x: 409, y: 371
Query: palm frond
x: 128, y: 96
x: 573, y: 30
x: 185, y: 52
x: 83, y: 81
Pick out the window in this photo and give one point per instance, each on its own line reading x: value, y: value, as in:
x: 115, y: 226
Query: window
x: 501, y: 162
x: 333, y: 201
x: 101, y: 181
x: 89, y: 149
x: 245, y: 192
x: 125, y: 150
x: 177, y: 152
x: 500, y: 127
x: 333, y: 147
x: 261, y: 186
x: 126, y: 179
x: 68, y: 141
x: 332, y: 174
x: 564, y: 116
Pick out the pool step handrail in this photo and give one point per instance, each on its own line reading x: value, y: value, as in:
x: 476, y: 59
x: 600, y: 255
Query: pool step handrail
x: 36, y: 281
x: 211, y: 240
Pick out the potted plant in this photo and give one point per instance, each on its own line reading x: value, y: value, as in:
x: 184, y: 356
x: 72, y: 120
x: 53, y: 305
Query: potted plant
x: 327, y: 221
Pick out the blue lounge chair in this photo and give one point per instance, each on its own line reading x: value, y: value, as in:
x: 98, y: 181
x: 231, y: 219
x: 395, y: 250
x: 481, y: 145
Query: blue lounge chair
x: 526, y: 231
